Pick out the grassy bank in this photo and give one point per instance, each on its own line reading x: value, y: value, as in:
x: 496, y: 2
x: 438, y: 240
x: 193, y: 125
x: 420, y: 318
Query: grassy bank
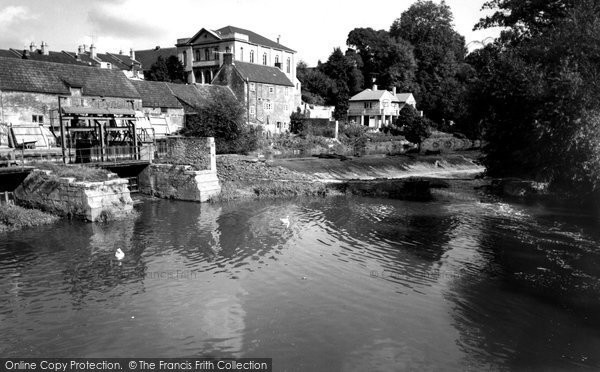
x: 13, y: 217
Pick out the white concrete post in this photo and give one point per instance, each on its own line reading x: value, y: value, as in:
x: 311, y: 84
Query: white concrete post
x: 213, y: 154
x: 337, y: 123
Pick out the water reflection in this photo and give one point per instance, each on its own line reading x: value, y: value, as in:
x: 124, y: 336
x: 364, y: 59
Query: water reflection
x: 464, y: 282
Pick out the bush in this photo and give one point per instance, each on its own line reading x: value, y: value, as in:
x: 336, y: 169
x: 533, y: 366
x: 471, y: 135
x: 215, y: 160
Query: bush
x: 13, y: 217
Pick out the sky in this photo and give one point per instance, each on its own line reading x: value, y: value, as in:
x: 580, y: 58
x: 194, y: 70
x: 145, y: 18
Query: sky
x: 311, y: 27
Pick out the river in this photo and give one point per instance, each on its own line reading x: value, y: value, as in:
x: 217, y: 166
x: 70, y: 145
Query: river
x: 464, y: 282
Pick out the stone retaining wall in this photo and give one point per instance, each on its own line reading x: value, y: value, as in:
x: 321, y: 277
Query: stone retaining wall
x: 179, y: 182
x: 92, y: 201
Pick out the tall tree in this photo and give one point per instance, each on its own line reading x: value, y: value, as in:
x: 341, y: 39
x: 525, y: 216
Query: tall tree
x: 439, y: 51
x: 170, y: 70
x: 346, y: 80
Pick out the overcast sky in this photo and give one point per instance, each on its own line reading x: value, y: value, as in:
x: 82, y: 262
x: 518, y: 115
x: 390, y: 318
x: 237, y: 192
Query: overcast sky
x: 311, y: 27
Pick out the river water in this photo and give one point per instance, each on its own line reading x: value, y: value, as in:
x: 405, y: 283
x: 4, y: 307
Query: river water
x: 464, y: 282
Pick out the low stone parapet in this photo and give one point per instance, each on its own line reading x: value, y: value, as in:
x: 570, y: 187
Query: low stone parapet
x: 65, y: 196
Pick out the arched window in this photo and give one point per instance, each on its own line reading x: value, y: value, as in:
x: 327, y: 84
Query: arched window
x: 242, y: 54
x: 276, y: 60
x: 265, y: 59
x: 251, y: 56
x: 207, y: 54
x: 288, y: 66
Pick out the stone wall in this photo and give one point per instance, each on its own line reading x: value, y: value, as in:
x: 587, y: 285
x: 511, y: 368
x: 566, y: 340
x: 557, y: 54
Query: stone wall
x: 440, y: 141
x: 188, y: 172
x: 92, y: 201
x: 180, y: 182
x: 197, y: 152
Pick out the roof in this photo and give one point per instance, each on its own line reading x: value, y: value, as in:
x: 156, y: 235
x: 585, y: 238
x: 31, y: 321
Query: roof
x: 253, y: 37
x: 195, y: 95
x: 37, y: 55
x: 75, y: 110
x: 262, y: 74
x: 23, y: 75
x: 403, y: 97
x: 84, y: 58
x: 156, y: 94
x: 8, y: 53
x: 372, y: 95
x: 148, y: 57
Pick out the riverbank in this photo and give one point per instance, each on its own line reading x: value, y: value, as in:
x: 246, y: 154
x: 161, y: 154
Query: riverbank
x: 13, y: 217
x: 244, y: 177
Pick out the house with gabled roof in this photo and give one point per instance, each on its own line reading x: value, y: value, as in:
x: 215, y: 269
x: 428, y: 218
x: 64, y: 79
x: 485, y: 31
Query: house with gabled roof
x: 202, y: 54
x: 376, y: 108
x: 266, y: 92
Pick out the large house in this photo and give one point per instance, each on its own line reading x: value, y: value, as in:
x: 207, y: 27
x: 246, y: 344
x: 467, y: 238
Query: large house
x: 376, y: 108
x: 202, y: 54
x: 266, y: 92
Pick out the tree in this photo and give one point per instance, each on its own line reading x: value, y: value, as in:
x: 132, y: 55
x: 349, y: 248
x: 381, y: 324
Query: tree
x: 414, y: 127
x: 439, y: 51
x: 540, y: 87
x: 315, y: 84
x: 346, y: 79
x: 297, y: 121
x: 170, y: 70
x: 222, y: 117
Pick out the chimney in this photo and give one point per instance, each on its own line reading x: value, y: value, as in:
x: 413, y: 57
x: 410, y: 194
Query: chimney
x: 120, y: 51
x: 80, y: 49
x: 25, y: 54
x: 394, y: 91
x: 228, y: 58
x: 157, y: 47
x: 92, y: 51
x: 278, y: 37
x: 32, y: 47
x: 374, y: 87
x: 84, y: 48
x: 45, y: 50
x: 132, y: 54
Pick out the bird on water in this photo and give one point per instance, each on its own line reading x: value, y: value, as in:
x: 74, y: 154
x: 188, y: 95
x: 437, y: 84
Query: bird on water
x: 119, y: 254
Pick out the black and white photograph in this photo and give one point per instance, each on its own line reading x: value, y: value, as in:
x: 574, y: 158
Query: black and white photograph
x: 257, y: 185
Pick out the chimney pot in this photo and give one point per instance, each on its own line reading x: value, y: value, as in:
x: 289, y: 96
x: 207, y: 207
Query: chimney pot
x: 374, y: 87
x: 45, y: 50
x: 32, y: 47
x: 92, y: 51
x: 80, y: 49
x: 157, y: 47
x: 394, y: 91
x: 131, y: 53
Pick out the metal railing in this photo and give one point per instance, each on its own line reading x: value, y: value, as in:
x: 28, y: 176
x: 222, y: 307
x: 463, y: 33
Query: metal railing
x: 111, y: 154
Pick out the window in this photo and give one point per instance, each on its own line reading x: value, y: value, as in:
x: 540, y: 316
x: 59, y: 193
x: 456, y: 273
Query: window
x: 242, y: 54
x: 268, y: 105
x: 252, y: 110
x: 276, y: 60
x: 286, y: 107
x: 227, y: 50
x: 207, y: 54
x: 288, y: 66
x: 265, y: 59
x: 197, y: 52
x: 184, y: 56
x: 216, y: 53
x: 252, y: 87
x: 251, y: 56
x: 271, y: 89
x: 368, y: 105
x: 386, y: 103
x: 164, y: 110
x: 37, y: 119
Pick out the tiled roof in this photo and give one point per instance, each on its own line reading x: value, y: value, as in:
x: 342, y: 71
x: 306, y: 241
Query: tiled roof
x: 24, y: 75
x: 57, y: 57
x: 372, y: 95
x: 84, y: 58
x: 8, y: 54
x: 156, y: 94
x: 148, y: 57
x: 196, y: 95
x: 253, y: 37
x: 262, y: 74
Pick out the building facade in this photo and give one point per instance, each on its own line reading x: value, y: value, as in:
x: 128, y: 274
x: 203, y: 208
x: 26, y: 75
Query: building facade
x: 202, y: 54
x: 266, y: 92
x: 376, y: 108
